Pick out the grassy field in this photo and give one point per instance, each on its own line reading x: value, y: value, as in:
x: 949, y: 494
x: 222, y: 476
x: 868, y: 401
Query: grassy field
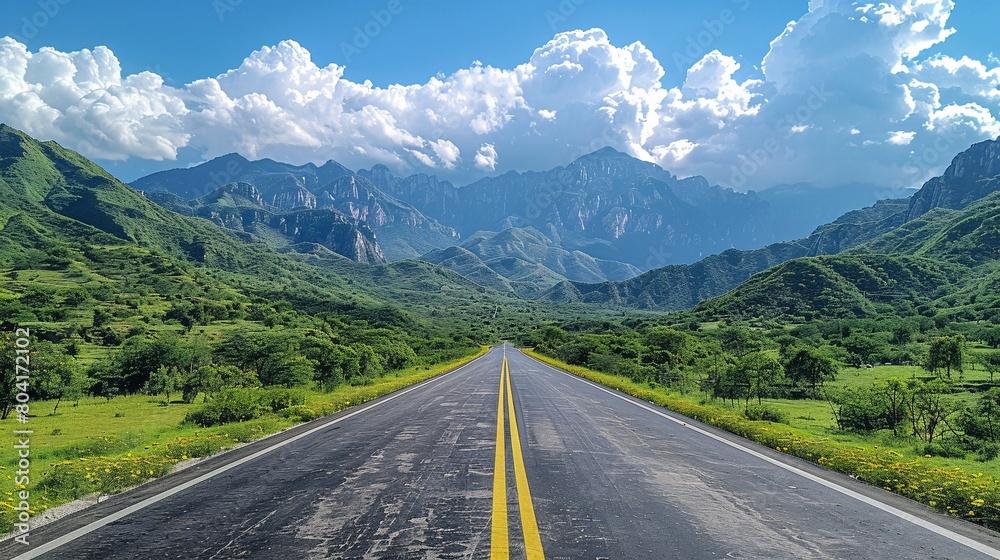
x: 101, y: 446
x: 964, y: 488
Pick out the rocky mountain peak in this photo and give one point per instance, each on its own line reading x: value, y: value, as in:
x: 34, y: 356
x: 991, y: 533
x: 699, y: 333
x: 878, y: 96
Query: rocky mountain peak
x: 240, y: 193
x: 972, y: 175
x: 979, y: 161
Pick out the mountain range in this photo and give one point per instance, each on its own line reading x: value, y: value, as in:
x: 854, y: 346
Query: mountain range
x: 606, y: 204
x: 295, y: 204
x: 604, y: 217
x: 935, y: 252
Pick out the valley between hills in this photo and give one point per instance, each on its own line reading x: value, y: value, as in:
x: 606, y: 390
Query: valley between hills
x: 199, y: 309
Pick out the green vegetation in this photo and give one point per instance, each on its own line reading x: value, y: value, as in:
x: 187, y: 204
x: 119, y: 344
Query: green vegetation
x: 943, y: 265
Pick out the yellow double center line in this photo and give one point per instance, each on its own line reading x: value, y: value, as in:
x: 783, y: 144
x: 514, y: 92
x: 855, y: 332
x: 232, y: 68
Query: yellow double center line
x: 499, y: 541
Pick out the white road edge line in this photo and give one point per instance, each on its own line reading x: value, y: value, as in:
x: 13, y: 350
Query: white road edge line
x: 920, y: 522
x: 73, y: 535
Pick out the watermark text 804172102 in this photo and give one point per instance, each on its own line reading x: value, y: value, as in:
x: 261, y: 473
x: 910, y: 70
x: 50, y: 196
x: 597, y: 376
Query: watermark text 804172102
x: 22, y: 476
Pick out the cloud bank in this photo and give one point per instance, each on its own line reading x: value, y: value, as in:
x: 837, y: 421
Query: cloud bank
x: 850, y: 91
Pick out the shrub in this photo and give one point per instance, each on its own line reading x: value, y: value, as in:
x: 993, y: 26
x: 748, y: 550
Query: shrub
x: 988, y: 452
x: 300, y: 413
x: 231, y: 405
x: 241, y: 404
x: 764, y: 412
x: 277, y: 399
x: 945, y: 449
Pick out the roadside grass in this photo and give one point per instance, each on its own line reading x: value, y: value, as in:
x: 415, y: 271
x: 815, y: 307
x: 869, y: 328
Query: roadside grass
x: 963, y: 488
x: 101, y: 446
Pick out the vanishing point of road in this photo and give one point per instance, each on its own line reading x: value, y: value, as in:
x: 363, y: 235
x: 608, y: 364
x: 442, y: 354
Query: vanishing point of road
x: 505, y: 458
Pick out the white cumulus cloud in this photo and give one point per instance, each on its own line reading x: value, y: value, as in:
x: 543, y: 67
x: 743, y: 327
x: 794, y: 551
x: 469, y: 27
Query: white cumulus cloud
x: 901, y: 138
x: 846, y: 82
x: 486, y: 158
x: 81, y: 98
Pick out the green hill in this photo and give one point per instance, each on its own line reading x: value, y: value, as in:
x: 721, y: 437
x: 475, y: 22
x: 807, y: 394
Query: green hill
x: 467, y: 264
x: 678, y: 287
x: 836, y: 287
x: 525, y: 261
x: 970, y: 236
x: 944, y: 263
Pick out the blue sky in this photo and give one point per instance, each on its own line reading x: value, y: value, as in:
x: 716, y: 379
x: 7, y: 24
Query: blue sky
x: 715, y: 122
x: 191, y: 39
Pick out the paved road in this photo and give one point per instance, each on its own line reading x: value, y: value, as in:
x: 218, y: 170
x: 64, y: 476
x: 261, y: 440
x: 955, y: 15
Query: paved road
x: 584, y: 473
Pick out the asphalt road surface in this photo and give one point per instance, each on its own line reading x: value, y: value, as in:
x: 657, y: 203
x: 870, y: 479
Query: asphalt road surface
x: 444, y: 470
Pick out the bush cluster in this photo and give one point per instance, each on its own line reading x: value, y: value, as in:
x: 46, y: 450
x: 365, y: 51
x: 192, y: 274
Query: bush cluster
x: 242, y: 404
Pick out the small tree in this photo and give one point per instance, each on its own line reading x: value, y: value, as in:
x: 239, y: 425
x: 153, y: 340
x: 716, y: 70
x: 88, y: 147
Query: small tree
x: 101, y: 317
x: 894, y: 395
x: 165, y: 380
x: 758, y: 371
x: 929, y: 408
x: 57, y: 376
x: 205, y: 379
x: 983, y: 421
x: 945, y: 353
x: 739, y: 341
x: 808, y: 366
x: 989, y: 336
x: 990, y: 362
x: 863, y: 348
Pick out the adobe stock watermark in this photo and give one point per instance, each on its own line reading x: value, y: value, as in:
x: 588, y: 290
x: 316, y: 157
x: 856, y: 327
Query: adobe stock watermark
x: 218, y: 179
x: 225, y: 7
x: 658, y: 256
x: 562, y: 13
x: 365, y: 34
x: 793, y: 122
x: 22, y: 439
x: 929, y: 157
x: 33, y: 24
x: 699, y: 44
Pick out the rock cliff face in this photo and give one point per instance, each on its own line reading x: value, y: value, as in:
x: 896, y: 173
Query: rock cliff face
x: 333, y: 231
x: 241, y: 207
x: 972, y: 175
x: 402, y: 230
